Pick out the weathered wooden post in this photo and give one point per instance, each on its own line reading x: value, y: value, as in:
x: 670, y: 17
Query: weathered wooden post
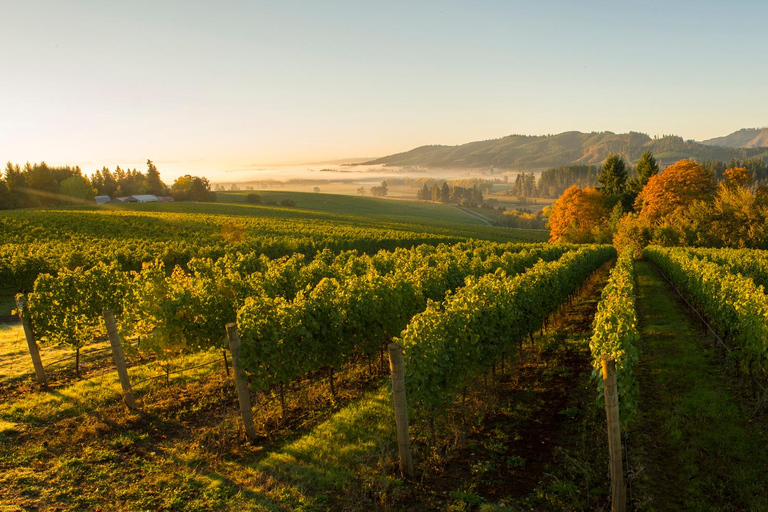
x: 243, y: 395
x: 397, y: 368
x: 34, y: 352
x: 618, y: 492
x: 117, y: 356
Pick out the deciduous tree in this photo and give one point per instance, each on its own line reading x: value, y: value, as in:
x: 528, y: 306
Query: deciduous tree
x: 579, y: 216
x: 679, y: 185
x: 737, y: 177
x: 192, y: 188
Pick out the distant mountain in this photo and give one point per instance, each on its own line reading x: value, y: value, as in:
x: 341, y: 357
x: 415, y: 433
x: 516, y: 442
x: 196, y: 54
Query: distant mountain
x: 744, y: 138
x: 536, y: 152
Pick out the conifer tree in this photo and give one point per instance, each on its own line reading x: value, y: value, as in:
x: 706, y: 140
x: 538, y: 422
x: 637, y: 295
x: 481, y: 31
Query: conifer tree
x: 613, y: 176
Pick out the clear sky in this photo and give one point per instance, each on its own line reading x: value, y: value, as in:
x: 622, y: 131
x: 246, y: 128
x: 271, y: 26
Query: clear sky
x: 215, y: 85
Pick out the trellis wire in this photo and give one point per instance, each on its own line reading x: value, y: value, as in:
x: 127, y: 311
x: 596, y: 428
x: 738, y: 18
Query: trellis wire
x: 181, y: 370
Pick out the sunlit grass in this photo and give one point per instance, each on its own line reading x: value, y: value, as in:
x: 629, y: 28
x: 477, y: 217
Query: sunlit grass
x: 186, y: 451
x: 16, y: 363
x: 89, y: 394
x: 356, y: 443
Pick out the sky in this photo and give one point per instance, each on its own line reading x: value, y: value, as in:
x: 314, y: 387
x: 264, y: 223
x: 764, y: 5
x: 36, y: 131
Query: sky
x: 205, y: 87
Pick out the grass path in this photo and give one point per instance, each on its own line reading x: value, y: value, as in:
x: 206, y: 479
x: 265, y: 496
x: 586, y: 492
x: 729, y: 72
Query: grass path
x: 695, y: 444
x: 476, y: 215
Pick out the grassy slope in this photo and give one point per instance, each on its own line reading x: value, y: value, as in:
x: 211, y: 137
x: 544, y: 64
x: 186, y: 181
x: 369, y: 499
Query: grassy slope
x: 385, y: 209
x: 694, y: 446
x: 429, y: 216
x: 411, y: 219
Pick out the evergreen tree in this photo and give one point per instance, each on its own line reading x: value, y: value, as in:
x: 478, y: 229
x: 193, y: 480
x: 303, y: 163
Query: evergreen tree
x: 105, y: 182
x: 7, y: 200
x: 646, y: 167
x: 14, y: 179
x: 445, y: 193
x: 613, y: 176
x: 153, y: 184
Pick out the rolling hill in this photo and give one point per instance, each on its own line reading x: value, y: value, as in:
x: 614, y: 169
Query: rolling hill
x: 536, y: 152
x: 744, y: 138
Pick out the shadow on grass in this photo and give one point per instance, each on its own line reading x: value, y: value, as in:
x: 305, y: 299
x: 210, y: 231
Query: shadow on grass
x: 695, y: 447
x: 344, y: 458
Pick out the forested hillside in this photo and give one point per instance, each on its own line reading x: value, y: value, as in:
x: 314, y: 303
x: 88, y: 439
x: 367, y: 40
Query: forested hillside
x: 537, y: 151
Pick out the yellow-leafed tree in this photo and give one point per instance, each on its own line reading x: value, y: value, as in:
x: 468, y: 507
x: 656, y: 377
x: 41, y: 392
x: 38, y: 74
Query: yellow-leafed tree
x: 737, y: 177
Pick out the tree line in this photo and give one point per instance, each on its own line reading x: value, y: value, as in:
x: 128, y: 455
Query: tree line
x: 554, y: 181
x: 39, y: 184
x: 690, y: 204
x: 469, y: 197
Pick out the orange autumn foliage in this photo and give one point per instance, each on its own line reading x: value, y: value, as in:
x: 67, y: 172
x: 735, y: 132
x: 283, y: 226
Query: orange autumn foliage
x: 677, y: 186
x: 578, y: 215
x: 737, y: 177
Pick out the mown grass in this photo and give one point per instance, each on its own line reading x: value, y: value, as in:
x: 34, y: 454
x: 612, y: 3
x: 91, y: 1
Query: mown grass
x: 16, y: 363
x: 90, y: 394
x: 697, y: 443
x: 12, y: 350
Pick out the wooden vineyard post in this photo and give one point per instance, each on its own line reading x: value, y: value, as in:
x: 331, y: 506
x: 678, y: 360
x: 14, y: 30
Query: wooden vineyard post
x: 34, y: 352
x: 618, y: 492
x: 117, y: 355
x: 243, y: 395
x: 401, y: 408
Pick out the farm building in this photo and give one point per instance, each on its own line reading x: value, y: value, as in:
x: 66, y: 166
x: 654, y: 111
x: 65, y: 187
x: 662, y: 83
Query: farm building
x: 130, y: 199
x: 146, y: 198
x: 103, y: 199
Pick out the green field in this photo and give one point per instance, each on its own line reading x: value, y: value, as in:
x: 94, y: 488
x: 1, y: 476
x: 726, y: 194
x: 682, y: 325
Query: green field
x: 381, y: 209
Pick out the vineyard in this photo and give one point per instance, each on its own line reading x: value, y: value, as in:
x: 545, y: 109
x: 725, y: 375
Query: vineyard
x: 45, y: 241
x: 291, y: 405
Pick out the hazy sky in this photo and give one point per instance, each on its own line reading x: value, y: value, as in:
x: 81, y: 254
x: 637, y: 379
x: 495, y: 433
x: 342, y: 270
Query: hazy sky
x: 209, y: 86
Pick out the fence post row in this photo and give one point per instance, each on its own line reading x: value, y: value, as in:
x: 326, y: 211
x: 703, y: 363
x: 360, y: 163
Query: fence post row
x: 117, y: 356
x: 611, y: 392
x: 34, y: 352
x: 397, y: 368
x: 243, y: 395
